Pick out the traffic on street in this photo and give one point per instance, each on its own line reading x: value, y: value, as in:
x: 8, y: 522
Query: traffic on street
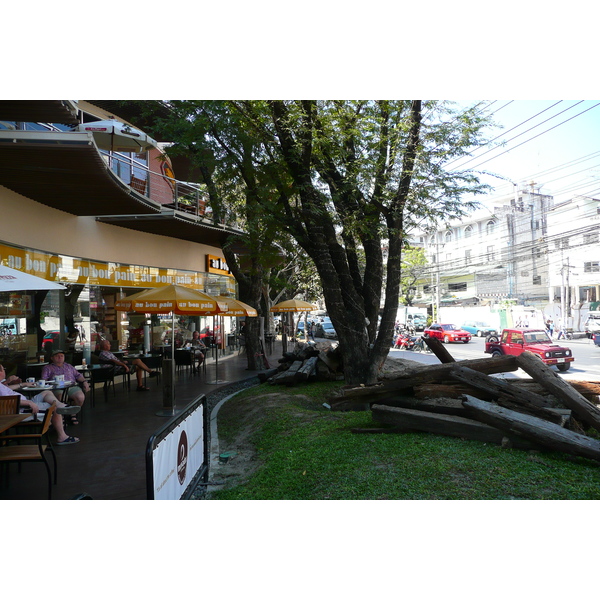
x: 586, y: 365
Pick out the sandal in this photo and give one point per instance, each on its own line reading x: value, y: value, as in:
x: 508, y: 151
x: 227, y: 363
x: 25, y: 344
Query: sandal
x: 74, y: 420
x: 69, y: 440
x: 143, y: 388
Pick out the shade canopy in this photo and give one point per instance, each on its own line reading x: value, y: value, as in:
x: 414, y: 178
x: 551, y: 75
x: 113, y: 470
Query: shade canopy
x: 172, y: 298
x: 292, y: 306
x: 236, y: 308
x: 118, y: 137
x: 126, y: 303
x: 12, y: 280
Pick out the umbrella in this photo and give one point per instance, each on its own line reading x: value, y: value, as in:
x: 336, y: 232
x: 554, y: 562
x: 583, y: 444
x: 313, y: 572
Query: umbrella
x: 236, y: 308
x: 118, y: 137
x: 12, y: 280
x: 126, y: 303
x: 292, y: 306
x: 175, y: 299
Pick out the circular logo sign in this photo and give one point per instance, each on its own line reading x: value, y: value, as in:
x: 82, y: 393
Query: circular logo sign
x: 182, y: 457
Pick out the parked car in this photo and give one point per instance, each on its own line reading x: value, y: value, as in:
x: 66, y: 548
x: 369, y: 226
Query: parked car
x: 479, y: 328
x: 325, y: 330
x: 50, y: 337
x: 447, y: 333
x: 516, y: 341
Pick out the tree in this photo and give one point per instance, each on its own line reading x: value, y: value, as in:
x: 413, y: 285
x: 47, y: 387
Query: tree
x: 414, y: 264
x: 354, y: 176
x: 345, y: 179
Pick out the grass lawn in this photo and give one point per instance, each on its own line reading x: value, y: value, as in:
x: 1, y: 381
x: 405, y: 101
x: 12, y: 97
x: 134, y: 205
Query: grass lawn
x: 306, y: 452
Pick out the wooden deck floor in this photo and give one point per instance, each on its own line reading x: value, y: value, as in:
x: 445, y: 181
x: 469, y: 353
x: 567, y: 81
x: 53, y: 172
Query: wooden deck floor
x: 109, y: 461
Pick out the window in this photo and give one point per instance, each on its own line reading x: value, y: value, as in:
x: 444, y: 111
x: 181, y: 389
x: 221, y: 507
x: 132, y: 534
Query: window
x: 468, y: 257
x: 468, y: 231
x: 591, y: 238
x: 490, y: 253
x: 490, y: 227
x: 537, y: 280
x: 591, y: 267
x: 457, y: 287
x: 448, y: 236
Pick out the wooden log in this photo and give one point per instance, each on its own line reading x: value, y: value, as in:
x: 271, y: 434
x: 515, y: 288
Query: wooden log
x: 494, y: 385
x: 448, y: 425
x: 446, y: 390
x: 443, y: 406
x: 555, y: 384
x: 288, y: 376
x: 265, y: 375
x: 307, y: 368
x: 537, y: 430
x: 429, y: 374
x: 439, y: 350
x: 554, y: 415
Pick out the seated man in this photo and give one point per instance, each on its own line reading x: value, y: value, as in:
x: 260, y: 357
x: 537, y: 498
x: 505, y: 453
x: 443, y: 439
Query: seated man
x: 108, y: 358
x: 58, y: 366
x: 42, y: 401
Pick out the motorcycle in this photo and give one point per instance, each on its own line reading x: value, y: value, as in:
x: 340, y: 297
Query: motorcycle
x: 405, y: 341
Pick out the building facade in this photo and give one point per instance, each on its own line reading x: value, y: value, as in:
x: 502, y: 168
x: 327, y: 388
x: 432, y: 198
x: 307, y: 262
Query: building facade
x: 525, y: 251
x: 92, y: 202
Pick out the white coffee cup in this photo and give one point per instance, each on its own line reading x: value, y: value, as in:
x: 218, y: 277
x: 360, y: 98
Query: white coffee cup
x: 59, y: 378
x: 41, y: 382
x: 31, y: 380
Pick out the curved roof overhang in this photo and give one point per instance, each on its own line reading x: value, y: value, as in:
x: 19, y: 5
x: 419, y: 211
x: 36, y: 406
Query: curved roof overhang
x: 180, y: 225
x: 40, y: 111
x: 66, y: 171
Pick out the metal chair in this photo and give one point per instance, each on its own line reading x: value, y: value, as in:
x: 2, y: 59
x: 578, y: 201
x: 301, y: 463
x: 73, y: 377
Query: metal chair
x: 105, y: 375
x: 33, y: 452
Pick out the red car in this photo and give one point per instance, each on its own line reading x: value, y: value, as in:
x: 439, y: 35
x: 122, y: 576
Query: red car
x: 447, y: 333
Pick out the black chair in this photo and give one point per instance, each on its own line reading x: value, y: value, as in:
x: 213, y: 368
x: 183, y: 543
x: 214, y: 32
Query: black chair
x: 33, y: 452
x: 183, y: 358
x: 105, y: 375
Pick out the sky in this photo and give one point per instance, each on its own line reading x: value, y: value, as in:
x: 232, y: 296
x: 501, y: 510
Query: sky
x: 554, y: 143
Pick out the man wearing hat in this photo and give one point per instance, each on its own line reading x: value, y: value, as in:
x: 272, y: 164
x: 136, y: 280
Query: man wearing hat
x: 58, y: 366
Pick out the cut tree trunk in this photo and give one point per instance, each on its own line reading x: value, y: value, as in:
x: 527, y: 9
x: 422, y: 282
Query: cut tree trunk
x: 537, y: 430
x: 555, y: 384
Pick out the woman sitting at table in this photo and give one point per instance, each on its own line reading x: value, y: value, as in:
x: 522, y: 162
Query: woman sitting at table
x: 42, y: 401
x: 199, y: 349
x: 58, y: 366
x: 108, y: 358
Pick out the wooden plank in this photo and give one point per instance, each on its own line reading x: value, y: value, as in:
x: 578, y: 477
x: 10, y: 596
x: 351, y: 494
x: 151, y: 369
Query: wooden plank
x: 439, y: 350
x: 429, y: 374
x: 537, y: 430
x: 494, y: 385
x: 308, y: 367
x: 560, y: 388
x: 444, y: 425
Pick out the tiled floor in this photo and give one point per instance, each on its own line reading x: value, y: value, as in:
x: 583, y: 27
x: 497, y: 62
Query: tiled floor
x: 109, y: 461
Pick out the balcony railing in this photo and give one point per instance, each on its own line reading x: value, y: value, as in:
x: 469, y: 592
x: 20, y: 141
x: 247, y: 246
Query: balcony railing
x: 171, y: 193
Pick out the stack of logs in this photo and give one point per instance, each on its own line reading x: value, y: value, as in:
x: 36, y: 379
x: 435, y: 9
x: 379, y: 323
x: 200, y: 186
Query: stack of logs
x: 309, y: 362
x: 461, y: 399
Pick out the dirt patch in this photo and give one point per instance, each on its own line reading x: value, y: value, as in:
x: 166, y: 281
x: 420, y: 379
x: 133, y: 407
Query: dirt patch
x: 237, y: 422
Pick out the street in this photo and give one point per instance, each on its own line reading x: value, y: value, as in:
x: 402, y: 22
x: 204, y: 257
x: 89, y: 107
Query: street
x: 586, y: 365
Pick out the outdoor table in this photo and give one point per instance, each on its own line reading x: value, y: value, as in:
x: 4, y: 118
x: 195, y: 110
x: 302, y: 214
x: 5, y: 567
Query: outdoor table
x: 31, y: 390
x: 8, y: 421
